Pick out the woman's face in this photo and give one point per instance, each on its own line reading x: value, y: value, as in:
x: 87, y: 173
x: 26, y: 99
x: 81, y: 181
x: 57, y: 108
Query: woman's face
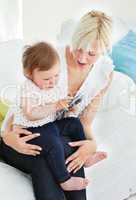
x: 86, y: 59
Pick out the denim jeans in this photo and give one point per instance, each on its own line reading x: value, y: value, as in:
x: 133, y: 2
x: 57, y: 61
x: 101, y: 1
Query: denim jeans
x: 44, y: 184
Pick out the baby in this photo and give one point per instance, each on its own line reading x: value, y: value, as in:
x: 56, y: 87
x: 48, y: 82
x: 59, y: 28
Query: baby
x: 41, y: 96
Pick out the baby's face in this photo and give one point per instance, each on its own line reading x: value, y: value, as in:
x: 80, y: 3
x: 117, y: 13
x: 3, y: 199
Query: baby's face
x: 46, y: 79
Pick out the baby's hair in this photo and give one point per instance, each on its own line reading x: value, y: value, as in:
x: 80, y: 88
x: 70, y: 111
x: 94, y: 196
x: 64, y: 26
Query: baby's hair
x: 41, y: 56
x: 95, y: 25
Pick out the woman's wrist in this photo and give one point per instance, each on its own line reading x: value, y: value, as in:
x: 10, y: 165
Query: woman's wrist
x: 88, y: 132
x: 5, y: 138
x: 91, y: 146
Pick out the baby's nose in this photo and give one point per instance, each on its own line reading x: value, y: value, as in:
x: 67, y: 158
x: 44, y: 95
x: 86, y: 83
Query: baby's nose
x: 52, y: 82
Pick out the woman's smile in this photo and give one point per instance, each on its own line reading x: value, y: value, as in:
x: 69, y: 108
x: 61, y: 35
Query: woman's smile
x: 81, y: 64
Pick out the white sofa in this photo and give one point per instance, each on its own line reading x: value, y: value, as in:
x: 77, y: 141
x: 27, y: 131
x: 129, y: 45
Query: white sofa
x: 114, y: 129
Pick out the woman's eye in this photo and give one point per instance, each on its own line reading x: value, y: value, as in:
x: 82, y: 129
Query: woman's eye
x: 79, y: 50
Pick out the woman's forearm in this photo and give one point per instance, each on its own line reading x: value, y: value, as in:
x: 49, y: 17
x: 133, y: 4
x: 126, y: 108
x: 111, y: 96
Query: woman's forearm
x: 88, y: 132
x: 89, y: 136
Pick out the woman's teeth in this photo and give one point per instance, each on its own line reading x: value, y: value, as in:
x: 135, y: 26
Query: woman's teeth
x: 82, y: 64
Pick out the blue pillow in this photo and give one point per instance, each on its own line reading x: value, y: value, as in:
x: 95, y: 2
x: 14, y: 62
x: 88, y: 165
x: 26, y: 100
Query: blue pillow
x: 124, y: 55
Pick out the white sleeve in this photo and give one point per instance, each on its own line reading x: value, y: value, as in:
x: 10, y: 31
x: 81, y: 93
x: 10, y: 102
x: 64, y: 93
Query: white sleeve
x: 4, y: 124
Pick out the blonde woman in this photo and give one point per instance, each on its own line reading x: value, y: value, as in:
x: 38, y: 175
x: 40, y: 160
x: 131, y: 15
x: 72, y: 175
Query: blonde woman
x: 89, y: 72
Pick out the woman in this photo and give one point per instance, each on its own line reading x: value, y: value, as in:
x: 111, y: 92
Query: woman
x: 90, y: 42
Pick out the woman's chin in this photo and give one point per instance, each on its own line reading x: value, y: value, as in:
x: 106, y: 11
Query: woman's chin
x: 82, y: 66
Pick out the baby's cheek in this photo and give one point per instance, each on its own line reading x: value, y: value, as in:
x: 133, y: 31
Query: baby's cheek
x: 40, y: 84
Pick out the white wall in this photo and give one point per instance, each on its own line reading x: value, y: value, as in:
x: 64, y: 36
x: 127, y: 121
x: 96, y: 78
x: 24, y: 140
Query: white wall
x: 42, y: 18
x: 10, y: 20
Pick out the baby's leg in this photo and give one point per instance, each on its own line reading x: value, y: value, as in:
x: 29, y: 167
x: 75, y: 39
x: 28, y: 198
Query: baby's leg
x: 71, y: 127
x: 97, y: 157
x: 53, y: 151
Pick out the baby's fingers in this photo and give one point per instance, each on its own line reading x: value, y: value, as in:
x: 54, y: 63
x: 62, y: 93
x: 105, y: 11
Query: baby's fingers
x: 64, y: 104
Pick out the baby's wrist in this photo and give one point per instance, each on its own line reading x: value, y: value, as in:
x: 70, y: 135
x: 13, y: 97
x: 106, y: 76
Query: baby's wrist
x: 58, y: 106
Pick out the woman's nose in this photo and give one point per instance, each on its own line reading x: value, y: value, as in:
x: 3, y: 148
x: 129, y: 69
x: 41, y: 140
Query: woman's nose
x: 82, y: 58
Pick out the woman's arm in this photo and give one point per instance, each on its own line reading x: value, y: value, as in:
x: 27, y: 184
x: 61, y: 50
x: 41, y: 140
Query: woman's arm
x: 90, y: 111
x: 13, y: 139
x: 88, y: 146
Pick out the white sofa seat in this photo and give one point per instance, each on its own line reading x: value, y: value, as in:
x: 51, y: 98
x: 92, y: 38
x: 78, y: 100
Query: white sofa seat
x: 114, y: 178
x: 14, y: 184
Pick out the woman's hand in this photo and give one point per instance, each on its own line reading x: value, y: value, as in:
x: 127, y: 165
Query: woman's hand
x: 70, y: 57
x: 15, y: 141
x: 78, y: 159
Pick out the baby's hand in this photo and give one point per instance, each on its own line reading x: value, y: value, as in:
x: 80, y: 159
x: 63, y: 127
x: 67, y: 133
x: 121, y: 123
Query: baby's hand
x: 63, y: 104
x: 72, y: 111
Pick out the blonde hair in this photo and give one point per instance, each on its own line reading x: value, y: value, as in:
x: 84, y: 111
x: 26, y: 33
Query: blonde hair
x: 93, y: 26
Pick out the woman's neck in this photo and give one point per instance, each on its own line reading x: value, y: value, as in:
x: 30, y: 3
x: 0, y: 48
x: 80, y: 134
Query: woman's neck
x: 76, y: 78
x: 80, y: 72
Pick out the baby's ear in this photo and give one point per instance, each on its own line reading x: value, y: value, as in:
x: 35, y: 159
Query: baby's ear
x: 27, y: 74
